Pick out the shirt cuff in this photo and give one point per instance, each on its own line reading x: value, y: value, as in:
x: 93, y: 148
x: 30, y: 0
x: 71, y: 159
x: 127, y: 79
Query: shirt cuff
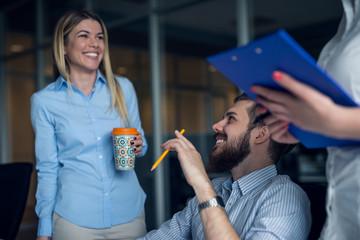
x: 45, y: 227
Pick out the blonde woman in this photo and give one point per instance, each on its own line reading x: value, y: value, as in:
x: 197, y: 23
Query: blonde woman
x: 80, y: 195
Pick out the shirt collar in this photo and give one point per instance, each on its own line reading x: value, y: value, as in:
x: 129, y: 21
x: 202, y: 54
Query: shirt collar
x: 253, y: 180
x: 61, y: 82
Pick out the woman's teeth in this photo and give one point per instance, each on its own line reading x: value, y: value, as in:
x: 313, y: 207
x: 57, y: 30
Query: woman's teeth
x: 91, y: 54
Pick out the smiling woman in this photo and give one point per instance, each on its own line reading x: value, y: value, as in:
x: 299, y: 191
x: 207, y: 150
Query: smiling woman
x: 72, y: 117
x: 84, y: 50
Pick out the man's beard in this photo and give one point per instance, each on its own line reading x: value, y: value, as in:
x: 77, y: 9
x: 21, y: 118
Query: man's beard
x: 229, y: 155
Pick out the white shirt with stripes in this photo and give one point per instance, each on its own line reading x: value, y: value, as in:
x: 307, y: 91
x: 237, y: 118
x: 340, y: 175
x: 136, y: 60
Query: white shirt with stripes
x: 260, y: 205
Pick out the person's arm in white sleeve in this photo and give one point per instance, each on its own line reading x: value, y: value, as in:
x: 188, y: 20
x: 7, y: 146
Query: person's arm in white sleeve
x: 306, y: 108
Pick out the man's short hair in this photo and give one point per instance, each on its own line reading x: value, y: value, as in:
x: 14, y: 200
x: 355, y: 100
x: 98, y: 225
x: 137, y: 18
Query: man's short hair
x: 276, y: 150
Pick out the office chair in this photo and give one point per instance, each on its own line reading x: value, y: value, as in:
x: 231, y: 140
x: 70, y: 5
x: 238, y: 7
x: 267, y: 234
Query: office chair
x: 317, y: 195
x: 14, y: 188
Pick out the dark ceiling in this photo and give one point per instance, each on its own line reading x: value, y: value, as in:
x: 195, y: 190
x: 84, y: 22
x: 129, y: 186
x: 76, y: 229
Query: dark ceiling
x: 204, y: 26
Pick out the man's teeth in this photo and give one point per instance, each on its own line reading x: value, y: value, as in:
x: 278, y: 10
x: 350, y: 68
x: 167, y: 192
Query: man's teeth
x: 220, y: 141
x: 91, y: 54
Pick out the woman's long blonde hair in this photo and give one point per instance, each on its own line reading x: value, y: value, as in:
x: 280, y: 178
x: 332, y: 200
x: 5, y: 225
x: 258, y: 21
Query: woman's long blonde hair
x: 61, y: 67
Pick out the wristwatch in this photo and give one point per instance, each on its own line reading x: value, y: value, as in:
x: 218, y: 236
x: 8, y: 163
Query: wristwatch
x: 212, y: 202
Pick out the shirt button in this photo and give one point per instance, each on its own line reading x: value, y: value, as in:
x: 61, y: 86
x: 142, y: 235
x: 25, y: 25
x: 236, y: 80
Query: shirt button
x: 101, y: 156
x: 98, y: 138
x: 106, y: 194
x: 93, y: 119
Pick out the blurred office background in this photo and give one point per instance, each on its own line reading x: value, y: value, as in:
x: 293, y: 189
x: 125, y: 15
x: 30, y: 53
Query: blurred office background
x: 161, y: 46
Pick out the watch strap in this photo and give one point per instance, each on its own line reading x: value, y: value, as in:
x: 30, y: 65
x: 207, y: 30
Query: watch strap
x: 212, y: 202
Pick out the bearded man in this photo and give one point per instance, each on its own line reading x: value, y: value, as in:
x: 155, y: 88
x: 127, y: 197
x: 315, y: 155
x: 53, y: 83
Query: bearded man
x: 255, y: 202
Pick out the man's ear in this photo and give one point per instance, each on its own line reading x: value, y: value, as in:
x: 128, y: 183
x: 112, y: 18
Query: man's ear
x: 262, y: 134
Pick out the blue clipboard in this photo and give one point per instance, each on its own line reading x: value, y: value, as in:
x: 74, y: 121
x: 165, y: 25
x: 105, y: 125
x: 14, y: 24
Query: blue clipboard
x: 254, y: 63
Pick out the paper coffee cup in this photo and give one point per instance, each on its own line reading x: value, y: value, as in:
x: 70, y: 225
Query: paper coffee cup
x: 124, y: 155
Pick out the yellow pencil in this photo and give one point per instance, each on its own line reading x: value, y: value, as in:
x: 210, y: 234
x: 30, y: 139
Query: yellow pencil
x: 163, y: 155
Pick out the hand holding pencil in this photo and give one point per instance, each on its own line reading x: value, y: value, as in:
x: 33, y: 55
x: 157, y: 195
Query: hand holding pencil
x: 163, y: 155
x: 190, y: 161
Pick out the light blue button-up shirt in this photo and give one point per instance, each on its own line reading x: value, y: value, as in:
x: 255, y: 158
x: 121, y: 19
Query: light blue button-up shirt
x: 76, y: 173
x: 260, y: 205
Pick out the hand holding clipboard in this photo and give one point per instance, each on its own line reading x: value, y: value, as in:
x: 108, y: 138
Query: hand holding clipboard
x: 253, y: 64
